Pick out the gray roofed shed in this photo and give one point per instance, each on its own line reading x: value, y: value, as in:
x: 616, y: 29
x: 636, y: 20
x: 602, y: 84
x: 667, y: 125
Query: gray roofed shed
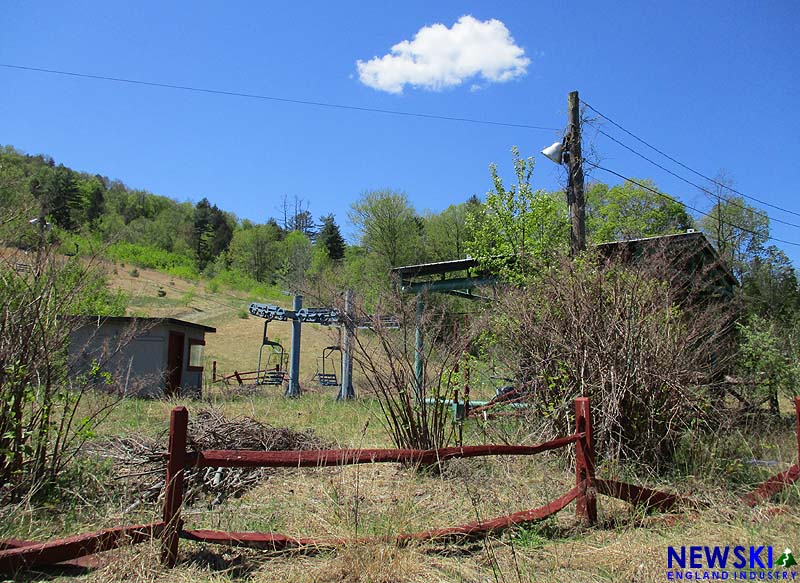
x: 150, y: 357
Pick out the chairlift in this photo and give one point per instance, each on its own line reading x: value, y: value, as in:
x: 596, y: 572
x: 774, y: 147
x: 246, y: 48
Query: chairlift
x: 274, y: 371
x: 327, y: 366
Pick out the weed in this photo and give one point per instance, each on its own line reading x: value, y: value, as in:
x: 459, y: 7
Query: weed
x: 188, y: 297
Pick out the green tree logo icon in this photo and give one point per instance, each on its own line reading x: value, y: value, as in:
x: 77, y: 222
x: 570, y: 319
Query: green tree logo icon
x: 786, y: 560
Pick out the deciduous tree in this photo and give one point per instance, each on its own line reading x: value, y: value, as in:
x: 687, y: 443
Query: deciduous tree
x: 517, y: 226
x: 388, y: 226
x: 628, y: 211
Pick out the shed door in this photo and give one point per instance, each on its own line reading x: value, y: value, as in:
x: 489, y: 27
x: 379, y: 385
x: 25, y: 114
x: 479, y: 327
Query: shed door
x: 174, y: 362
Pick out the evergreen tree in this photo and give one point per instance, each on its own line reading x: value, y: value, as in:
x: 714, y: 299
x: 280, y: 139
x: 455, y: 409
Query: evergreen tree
x: 304, y: 223
x: 212, y: 232
x: 203, y: 232
x: 59, y: 196
x: 330, y: 238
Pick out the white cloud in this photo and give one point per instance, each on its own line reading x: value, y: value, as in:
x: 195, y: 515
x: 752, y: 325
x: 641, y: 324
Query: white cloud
x: 440, y: 57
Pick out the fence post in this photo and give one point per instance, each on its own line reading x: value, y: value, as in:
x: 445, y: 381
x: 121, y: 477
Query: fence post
x: 586, y: 503
x: 173, y: 494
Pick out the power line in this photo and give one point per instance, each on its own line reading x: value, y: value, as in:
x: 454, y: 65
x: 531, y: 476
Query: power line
x: 700, y: 174
x: 687, y: 181
x: 683, y: 204
x: 280, y: 99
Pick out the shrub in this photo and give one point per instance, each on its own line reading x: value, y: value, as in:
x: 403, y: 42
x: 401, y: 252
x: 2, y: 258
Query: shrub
x: 415, y: 415
x: 188, y: 297
x: 643, y: 351
x: 766, y: 362
x: 44, y: 421
x: 154, y: 258
x: 240, y: 281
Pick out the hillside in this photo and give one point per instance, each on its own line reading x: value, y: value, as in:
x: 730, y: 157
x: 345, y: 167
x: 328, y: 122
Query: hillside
x: 235, y: 345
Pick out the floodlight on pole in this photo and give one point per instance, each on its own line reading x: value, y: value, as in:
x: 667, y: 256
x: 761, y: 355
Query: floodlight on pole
x: 555, y: 152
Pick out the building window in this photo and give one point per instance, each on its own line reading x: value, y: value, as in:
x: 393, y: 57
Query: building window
x: 196, y: 350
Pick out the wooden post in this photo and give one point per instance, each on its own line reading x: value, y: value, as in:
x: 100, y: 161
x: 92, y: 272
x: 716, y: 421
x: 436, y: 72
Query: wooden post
x: 586, y: 503
x: 797, y: 411
x: 575, y: 197
x: 173, y: 494
x: 214, y: 371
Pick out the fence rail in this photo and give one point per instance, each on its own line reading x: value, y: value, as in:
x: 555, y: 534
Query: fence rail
x: 66, y: 549
x: 274, y: 541
x: 220, y: 458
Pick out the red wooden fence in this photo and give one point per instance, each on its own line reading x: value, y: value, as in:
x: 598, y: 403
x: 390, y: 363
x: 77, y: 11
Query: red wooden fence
x: 16, y: 555
x: 584, y: 492
x: 67, y: 549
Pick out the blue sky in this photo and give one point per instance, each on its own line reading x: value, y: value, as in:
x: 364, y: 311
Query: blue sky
x: 713, y: 83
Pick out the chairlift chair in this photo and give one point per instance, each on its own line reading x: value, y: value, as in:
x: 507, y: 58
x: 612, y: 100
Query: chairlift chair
x: 274, y: 372
x: 326, y: 367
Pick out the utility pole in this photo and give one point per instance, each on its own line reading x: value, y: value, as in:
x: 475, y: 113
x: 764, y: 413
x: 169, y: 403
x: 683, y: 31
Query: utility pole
x: 574, y: 160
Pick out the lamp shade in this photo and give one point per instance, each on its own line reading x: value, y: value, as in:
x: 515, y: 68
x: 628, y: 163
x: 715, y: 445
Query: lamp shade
x: 555, y: 152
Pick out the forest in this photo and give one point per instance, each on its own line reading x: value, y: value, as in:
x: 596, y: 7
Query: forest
x: 303, y: 250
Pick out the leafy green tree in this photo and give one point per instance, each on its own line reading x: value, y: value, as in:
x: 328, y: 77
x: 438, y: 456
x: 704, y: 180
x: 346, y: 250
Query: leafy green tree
x: 94, y: 194
x: 330, y: 238
x: 517, y: 226
x: 770, y: 286
x: 388, y: 227
x: 256, y: 251
x: 628, y: 211
x: 765, y: 357
x: 171, y: 230
x: 446, y: 233
x: 17, y: 202
x: 739, y: 231
x: 296, y: 252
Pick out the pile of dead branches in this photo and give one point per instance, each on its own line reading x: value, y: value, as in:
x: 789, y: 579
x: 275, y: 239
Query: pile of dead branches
x: 140, y: 464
